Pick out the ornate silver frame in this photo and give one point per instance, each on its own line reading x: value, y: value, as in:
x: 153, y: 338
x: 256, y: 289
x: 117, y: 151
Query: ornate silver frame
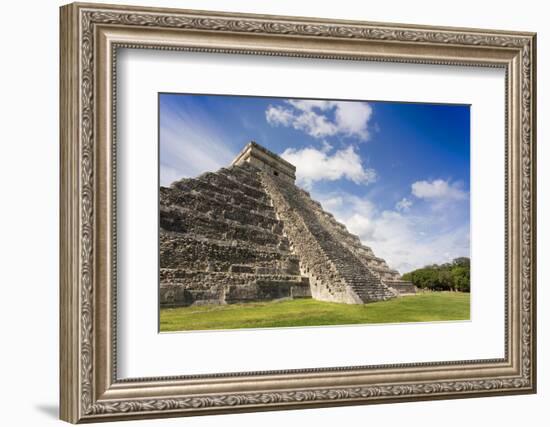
x: 90, y: 36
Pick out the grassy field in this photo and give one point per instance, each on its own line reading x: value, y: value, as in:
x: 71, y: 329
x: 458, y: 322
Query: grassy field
x: 423, y: 307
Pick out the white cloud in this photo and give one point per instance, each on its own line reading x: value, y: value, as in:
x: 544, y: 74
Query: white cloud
x: 352, y: 118
x: 438, y: 189
x: 189, y: 146
x: 279, y: 116
x: 403, y: 205
x: 313, y: 124
x: 316, y: 125
x: 405, y: 240
x: 317, y: 165
x: 348, y: 118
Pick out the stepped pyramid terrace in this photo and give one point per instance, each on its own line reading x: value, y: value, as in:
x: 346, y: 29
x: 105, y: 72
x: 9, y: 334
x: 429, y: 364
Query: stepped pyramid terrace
x: 248, y: 233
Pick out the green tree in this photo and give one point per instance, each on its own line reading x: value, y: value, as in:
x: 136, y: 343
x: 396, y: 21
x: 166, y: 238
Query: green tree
x: 461, y: 277
x: 453, y: 276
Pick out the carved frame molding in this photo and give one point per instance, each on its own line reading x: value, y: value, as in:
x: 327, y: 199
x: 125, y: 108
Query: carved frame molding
x: 90, y: 36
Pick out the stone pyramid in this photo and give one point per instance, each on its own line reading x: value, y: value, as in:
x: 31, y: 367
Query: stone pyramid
x: 248, y: 233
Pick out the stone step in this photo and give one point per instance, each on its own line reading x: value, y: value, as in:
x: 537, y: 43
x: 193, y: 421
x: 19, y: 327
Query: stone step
x: 178, y: 249
x: 242, y: 176
x: 200, y: 202
x: 178, y: 192
x: 183, y: 220
x: 173, y: 275
x: 225, y: 182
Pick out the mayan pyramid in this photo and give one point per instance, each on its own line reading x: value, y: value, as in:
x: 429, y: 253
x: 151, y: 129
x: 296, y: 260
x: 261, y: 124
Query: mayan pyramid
x: 248, y: 233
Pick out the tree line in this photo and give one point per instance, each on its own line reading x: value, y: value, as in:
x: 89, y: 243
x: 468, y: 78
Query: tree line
x: 452, y: 276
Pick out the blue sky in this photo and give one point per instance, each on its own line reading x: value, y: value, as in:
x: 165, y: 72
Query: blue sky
x: 396, y: 174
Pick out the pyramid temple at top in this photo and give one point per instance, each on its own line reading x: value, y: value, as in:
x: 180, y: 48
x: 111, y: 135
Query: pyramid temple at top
x: 248, y: 233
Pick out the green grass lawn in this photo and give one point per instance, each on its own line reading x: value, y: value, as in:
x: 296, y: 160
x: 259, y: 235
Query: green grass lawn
x: 423, y: 307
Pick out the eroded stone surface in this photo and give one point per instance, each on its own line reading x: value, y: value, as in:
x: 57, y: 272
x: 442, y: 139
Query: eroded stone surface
x: 248, y: 233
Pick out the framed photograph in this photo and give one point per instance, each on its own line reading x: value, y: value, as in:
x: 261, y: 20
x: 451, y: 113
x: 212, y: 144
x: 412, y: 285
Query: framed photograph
x: 266, y: 212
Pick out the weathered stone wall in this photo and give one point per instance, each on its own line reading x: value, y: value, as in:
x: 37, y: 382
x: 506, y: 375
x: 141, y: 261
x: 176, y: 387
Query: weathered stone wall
x: 221, y: 242
x: 183, y: 287
x: 191, y: 252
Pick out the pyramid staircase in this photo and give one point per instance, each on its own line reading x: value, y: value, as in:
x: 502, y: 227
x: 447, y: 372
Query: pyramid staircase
x: 335, y: 272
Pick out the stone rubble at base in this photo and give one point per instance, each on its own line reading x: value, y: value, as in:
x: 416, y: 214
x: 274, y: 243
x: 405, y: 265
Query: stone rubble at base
x: 248, y: 233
